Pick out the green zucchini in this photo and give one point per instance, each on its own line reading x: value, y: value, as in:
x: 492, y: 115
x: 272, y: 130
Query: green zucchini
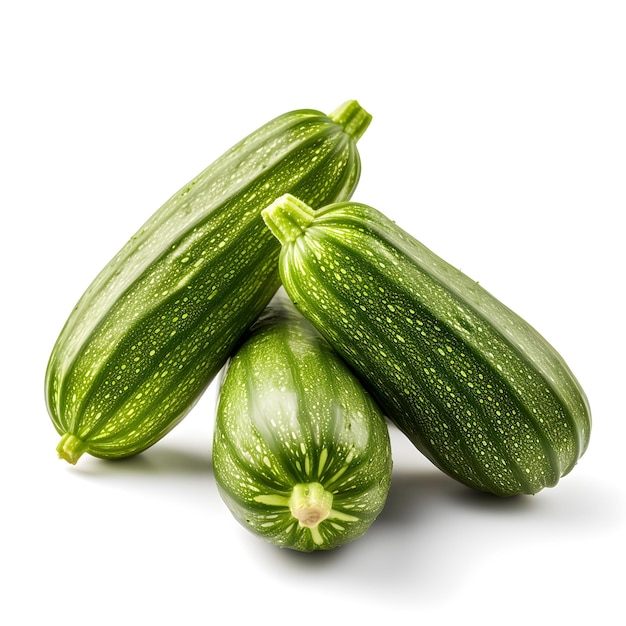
x: 157, y: 324
x: 301, y: 452
x: 480, y: 392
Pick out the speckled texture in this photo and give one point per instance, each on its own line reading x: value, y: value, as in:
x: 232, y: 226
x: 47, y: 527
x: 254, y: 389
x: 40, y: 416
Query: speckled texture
x: 473, y: 386
x: 292, y: 420
x: 160, y: 320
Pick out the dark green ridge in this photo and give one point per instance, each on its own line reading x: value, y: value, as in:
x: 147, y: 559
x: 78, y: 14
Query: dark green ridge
x: 123, y: 268
x: 217, y: 229
x: 569, y: 419
x: 276, y: 335
x: 404, y: 351
x: 541, y: 452
x: 239, y: 367
x: 428, y: 405
x: 283, y: 356
x: 308, y: 267
x: 426, y: 386
x: 191, y: 335
x: 190, y: 338
x: 334, y: 147
x: 569, y: 396
x: 283, y: 340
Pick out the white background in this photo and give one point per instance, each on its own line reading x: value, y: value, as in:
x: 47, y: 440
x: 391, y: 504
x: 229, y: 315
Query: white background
x: 498, y: 140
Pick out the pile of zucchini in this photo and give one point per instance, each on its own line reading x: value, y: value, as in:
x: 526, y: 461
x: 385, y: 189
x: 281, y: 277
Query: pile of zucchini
x: 324, y: 319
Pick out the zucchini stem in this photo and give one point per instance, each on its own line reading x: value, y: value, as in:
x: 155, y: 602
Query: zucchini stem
x: 353, y: 117
x: 310, y: 504
x: 287, y: 218
x: 71, y: 448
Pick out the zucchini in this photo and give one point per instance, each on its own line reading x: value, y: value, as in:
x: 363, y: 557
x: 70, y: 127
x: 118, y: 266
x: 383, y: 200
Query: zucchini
x: 475, y: 388
x: 159, y: 321
x: 301, y: 453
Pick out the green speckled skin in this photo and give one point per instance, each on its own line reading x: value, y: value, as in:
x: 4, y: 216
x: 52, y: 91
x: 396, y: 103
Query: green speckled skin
x: 159, y: 321
x: 290, y: 413
x: 473, y: 386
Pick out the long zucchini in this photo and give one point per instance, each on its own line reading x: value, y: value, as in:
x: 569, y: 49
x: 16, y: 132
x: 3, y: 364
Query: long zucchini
x: 301, y: 452
x: 159, y: 321
x: 480, y: 392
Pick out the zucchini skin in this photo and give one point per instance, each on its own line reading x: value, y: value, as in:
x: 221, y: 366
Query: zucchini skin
x: 292, y: 416
x: 475, y: 388
x: 159, y: 321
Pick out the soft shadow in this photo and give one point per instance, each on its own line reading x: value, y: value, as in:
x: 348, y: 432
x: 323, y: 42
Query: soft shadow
x: 415, y: 501
x: 494, y: 504
x: 407, y: 493
x: 159, y: 460
x: 311, y: 561
x: 402, y: 513
x: 417, y: 496
x: 430, y: 523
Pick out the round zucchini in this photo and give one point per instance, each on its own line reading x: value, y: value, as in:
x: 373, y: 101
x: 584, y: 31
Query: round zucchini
x: 301, y: 452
